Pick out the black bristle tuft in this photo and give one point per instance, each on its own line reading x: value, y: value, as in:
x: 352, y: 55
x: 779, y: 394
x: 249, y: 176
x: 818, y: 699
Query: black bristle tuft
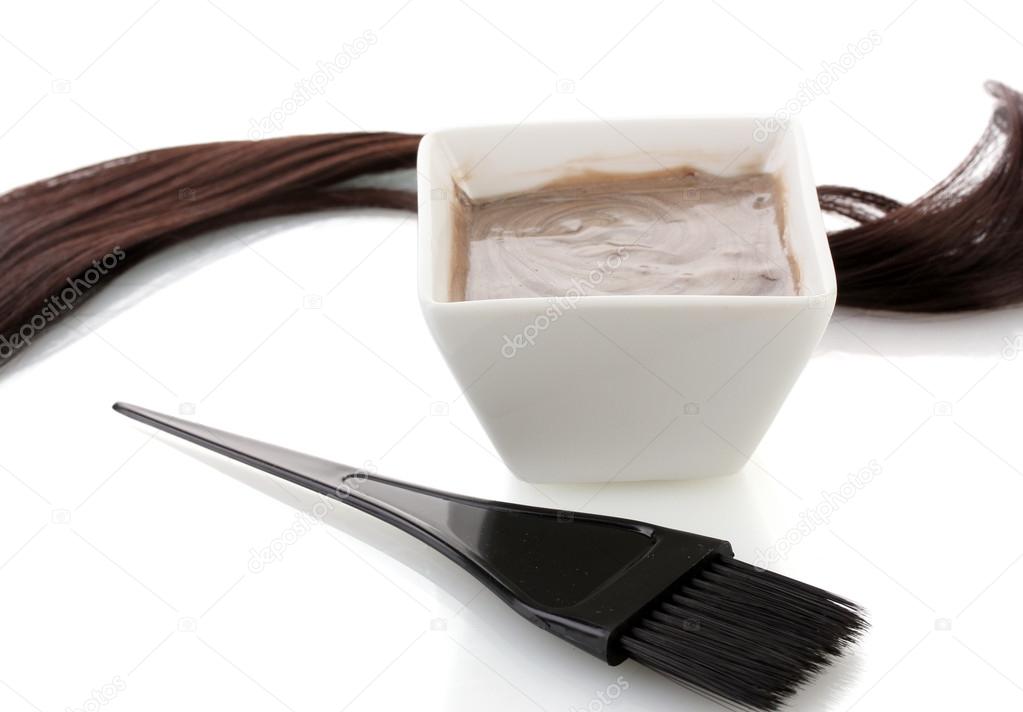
x: 744, y: 634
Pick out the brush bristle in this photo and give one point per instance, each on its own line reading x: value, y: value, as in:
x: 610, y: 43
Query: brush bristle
x: 743, y: 634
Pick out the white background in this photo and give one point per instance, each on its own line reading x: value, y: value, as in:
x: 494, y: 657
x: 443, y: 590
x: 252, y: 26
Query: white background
x: 125, y: 558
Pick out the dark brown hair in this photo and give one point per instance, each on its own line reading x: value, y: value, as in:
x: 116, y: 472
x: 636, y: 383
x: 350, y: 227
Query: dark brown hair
x: 959, y: 247
x: 956, y: 248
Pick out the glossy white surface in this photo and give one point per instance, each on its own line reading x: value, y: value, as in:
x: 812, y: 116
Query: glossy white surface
x: 125, y: 556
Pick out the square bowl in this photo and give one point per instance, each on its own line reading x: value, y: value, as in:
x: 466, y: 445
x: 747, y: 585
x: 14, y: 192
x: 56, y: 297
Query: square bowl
x: 595, y: 388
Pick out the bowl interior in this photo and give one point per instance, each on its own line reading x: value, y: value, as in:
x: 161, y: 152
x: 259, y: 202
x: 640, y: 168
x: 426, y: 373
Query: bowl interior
x: 484, y: 162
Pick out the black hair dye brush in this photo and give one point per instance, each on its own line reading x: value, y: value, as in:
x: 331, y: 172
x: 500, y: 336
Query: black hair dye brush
x: 676, y: 602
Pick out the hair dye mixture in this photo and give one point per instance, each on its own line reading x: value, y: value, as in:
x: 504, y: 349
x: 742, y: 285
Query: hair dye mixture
x: 672, y: 232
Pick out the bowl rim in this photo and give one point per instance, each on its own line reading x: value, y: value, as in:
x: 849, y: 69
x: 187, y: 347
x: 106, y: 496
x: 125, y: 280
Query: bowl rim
x: 810, y: 219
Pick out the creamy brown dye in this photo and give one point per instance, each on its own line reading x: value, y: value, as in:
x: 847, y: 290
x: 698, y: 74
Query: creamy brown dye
x: 671, y: 232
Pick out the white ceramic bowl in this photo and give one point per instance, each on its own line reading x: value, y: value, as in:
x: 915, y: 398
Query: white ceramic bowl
x: 600, y: 388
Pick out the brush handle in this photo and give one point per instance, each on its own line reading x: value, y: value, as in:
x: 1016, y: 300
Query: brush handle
x: 580, y: 576
x: 470, y: 532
